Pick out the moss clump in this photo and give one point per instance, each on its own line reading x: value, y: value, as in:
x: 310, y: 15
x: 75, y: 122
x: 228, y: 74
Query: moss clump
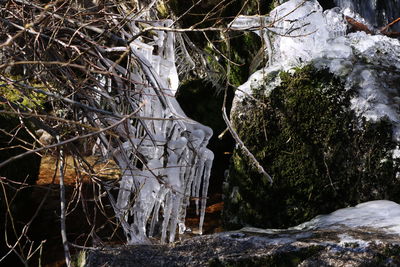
x: 320, y: 155
x: 79, y: 259
x: 27, y: 99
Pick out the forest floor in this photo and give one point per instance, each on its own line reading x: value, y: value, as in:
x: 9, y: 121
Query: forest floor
x: 47, y: 224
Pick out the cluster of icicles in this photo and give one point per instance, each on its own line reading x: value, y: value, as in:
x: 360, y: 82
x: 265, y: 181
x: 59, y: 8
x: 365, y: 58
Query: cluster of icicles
x: 163, y: 155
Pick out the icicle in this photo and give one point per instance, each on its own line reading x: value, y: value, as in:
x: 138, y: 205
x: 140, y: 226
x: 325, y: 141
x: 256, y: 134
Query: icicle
x: 186, y: 177
x: 176, y: 201
x: 167, y: 214
x: 197, y: 182
x: 174, y: 182
x: 267, y: 40
x: 208, y: 157
x: 156, y: 211
x: 196, y: 139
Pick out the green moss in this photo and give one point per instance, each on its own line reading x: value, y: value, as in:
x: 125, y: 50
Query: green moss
x: 320, y: 155
x: 240, y: 48
x: 79, y: 259
x: 162, y: 9
x: 273, y: 4
x: 244, y: 48
x: 27, y: 99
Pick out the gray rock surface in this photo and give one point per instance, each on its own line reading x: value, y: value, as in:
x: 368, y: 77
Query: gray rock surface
x: 334, y: 246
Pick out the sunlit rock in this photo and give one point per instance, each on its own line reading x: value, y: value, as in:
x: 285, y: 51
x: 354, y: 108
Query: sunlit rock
x: 365, y: 235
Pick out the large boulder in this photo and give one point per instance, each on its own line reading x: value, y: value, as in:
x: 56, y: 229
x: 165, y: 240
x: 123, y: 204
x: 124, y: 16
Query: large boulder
x: 321, y: 157
x: 322, y: 119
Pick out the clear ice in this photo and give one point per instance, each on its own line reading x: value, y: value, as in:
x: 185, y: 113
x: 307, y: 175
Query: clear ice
x: 161, y: 152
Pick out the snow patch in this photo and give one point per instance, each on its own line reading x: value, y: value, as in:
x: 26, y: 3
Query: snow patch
x: 378, y: 214
x: 346, y: 239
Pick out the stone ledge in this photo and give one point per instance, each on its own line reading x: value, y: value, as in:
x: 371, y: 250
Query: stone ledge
x: 337, y: 246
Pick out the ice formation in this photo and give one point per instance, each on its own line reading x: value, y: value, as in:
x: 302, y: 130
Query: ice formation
x: 161, y: 152
x: 300, y: 32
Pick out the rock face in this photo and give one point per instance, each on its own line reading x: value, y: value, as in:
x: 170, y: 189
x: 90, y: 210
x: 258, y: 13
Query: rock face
x: 322, y: 118
x: 339, y: 247
x: 325, y: 241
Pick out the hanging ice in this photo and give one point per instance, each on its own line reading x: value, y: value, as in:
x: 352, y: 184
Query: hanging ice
x: 161, y: 152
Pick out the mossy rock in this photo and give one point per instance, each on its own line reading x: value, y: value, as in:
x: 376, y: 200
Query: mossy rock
x: 321, y: 156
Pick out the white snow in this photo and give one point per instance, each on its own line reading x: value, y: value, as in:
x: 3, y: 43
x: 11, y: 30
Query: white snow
x: 346, y: 239
x: 383, y: 215
x: 302, y: 33
x: 378, y: 214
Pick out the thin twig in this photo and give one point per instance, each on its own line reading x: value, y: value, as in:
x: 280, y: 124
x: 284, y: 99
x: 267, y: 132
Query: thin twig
x: 237, y: 138
x: 63, y: 226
